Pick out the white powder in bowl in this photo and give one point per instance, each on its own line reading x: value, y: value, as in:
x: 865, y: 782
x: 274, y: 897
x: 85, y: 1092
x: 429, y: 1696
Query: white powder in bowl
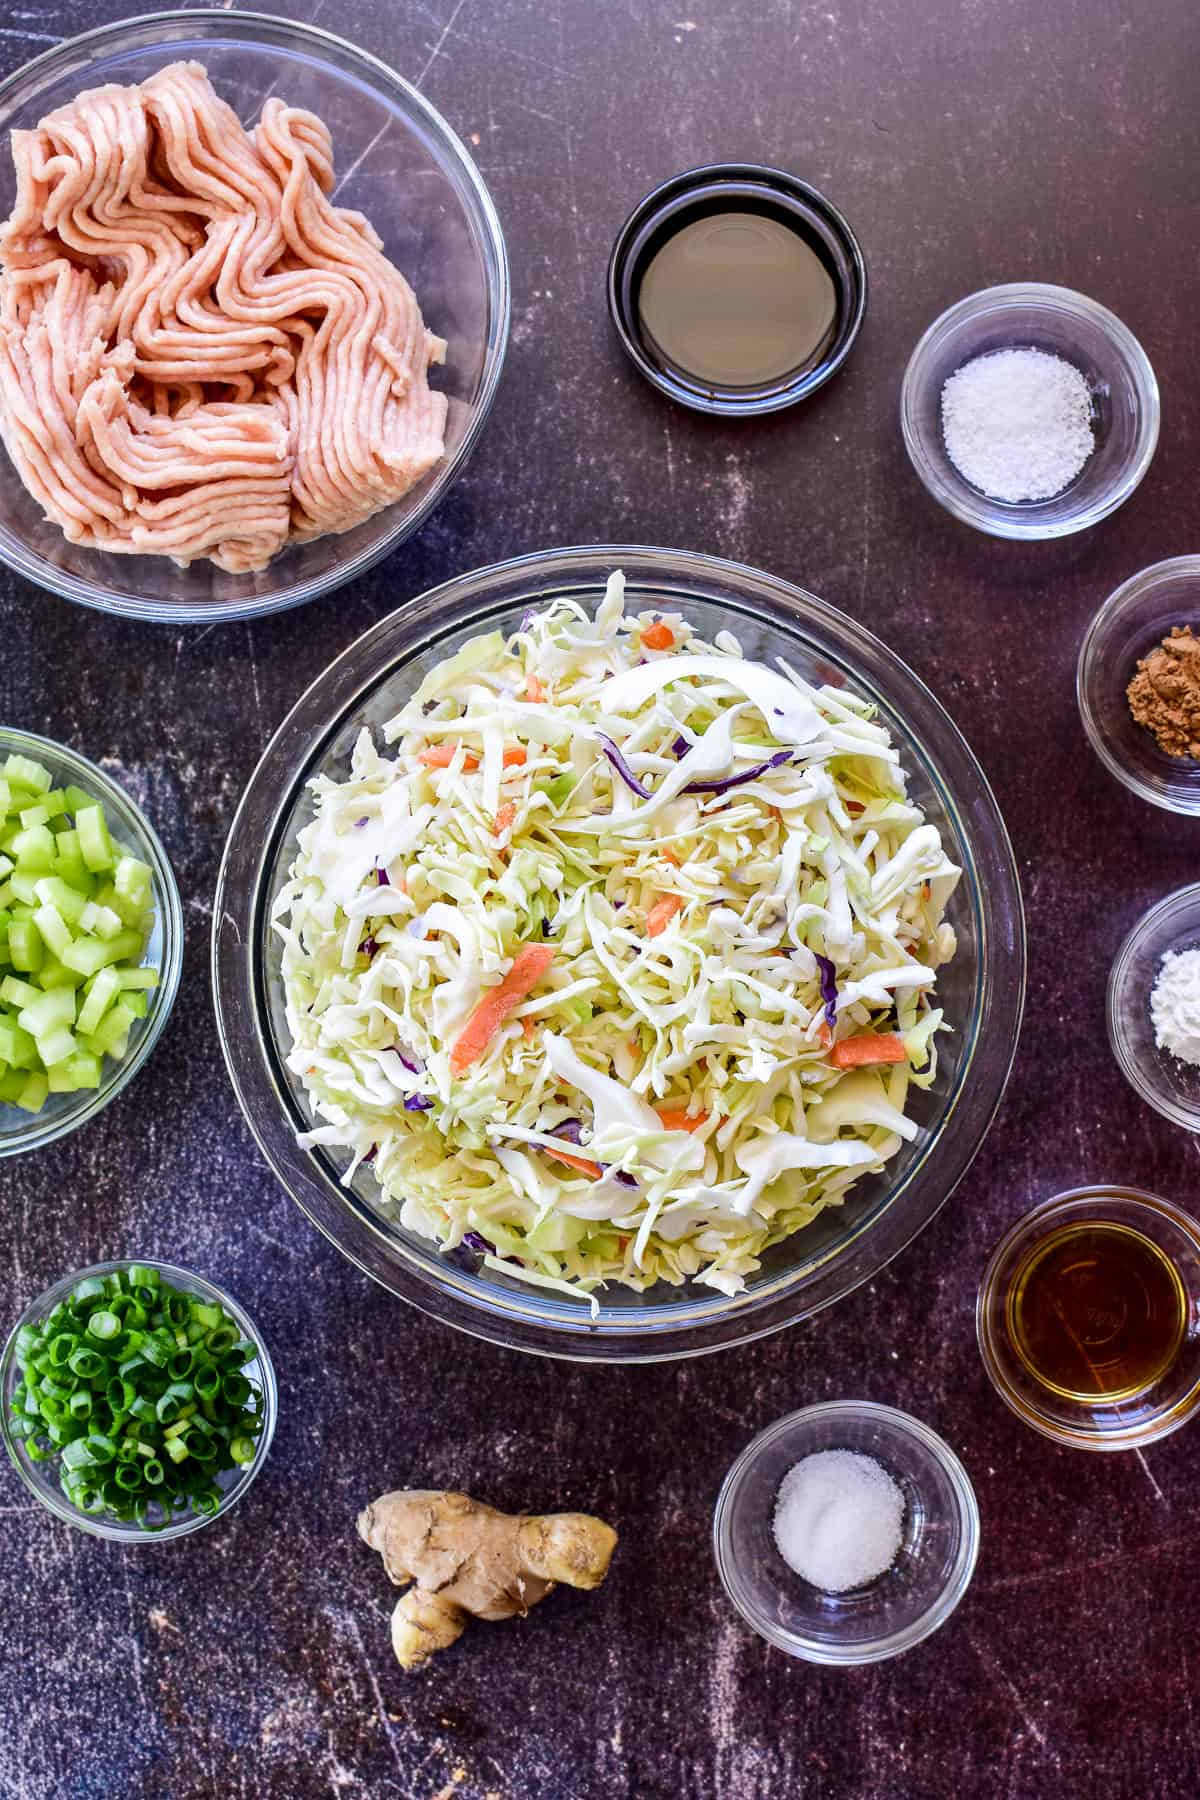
x: 1017, y: 424
x: 1175, y: 1005
x: 838, y: 1519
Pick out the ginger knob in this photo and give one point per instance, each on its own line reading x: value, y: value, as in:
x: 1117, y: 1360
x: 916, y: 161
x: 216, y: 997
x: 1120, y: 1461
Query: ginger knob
x: 461, y: 1559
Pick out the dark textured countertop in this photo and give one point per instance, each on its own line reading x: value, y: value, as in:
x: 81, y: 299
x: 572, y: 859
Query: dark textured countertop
x: 969, y: 143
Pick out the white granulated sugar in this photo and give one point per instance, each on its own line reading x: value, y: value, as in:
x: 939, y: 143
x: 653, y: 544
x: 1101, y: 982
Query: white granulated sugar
x: 1018, y: 423
x: 1175, y: 1005
x: 838, y: 1519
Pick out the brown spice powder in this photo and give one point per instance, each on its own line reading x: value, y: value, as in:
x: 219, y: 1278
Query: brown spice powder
x: 1164, y: 695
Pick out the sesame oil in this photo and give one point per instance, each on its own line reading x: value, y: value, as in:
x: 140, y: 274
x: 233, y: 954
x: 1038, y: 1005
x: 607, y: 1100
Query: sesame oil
x: 1097, y: 1312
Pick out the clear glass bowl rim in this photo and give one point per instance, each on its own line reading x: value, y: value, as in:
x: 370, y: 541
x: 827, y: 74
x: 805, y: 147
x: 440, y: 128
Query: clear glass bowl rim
x: 720, y: 1321
x: 869, y: 1650
x: 1126, y: 597
x: 1017, y: 523
x: 1127, y: 1062
x: 114, y: 1530
x: 85, y: 774
x: 1136, y: 1437
x: 120, y: 34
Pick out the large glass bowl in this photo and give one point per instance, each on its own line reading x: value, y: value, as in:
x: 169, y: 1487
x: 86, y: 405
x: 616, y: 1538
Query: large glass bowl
x: 397, y: 161
x: 981, y: 990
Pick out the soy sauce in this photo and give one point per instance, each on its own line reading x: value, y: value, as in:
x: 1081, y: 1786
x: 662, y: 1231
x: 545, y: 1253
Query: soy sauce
x: 737, y: 299
x: 1097, y: 1311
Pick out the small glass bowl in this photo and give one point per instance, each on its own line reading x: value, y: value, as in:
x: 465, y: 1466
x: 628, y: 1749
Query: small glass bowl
x: 1172, y: 1087
x: 132, y: 831
x: 42, y: 1478
x: 899, y: 1608
x: 1034, y: 315
x: 1132, y: 621
x: 398, y: 162
x: 1094, y: 1424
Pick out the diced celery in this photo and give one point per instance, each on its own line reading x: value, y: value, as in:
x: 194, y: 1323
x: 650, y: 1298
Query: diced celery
x: 11, y: 1085
x: 34, y: 815
x: 113, y: 1029
x: 138, y: 978
x: 82, y: 1070
x: 25, y: 950
x: 100, y: 921
x: 5, y: 797
x: 32, y: 1096
x: 7, y: 865
x: 55, y: 803
x: 34, y: 849
x: 102, y: 991
x: 57, y: 1045
x: 48, y: 1012
x: 17, y: 1048
x: 53, y: 929
x: 95, y: 845
x: 18, y: 993
x: 137, y: 1002
x: 88, y: 954
x: 22, y: 771
x: 133, y: 879
x: 5, y: 922
x: 54, y: 974
x: 22, y: 885
x: 69, y: 863
x: 53, y: 891
x: 76, y: 798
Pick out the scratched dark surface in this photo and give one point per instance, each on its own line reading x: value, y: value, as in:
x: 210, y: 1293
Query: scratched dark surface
x: 969, y: 144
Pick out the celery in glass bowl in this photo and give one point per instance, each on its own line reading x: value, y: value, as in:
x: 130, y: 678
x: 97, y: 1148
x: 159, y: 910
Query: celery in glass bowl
x: 91, y: 940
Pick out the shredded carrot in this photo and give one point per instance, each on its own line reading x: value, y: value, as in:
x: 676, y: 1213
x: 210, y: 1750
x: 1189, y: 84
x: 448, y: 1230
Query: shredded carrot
x: 824, y: 1035
x: 670, y: 857
x: 855, y: 806
x: 577, y: 1162
x: 506, y: 812
x: 661, y: 914
x: 529, y: 965
x: 534, y: 689
x: 658, y: 636
x: 677, y: 1118
x: 623, y: 1244
x: 529, y: 1025
x: 440, y: 756
x: 873, y: 1047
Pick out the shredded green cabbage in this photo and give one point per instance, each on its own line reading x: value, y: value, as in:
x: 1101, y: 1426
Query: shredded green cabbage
x: 415, y: 887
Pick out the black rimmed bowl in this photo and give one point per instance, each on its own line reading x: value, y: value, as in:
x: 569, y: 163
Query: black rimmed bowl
x: 982, y: 989
x: 746, y: 187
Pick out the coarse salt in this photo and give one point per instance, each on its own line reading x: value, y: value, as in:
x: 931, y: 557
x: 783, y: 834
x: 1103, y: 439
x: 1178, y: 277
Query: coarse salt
x: 1017, y: 424
x: 1175, y: 1005
x: 838, y: 1519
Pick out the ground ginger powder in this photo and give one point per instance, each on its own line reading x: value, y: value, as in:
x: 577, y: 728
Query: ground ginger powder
x: 1164, y: 694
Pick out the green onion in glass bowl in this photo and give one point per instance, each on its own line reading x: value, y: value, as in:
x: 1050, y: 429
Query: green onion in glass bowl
x: 138, y: 1400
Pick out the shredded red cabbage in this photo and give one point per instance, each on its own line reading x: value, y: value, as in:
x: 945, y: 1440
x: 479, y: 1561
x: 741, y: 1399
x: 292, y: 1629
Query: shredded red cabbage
x: 412, y: 1063
x: 732, y: 781
x: 475, y: 1240
x: 623, y: 769
x: 417, y: 1103
x: 570, y: 1129
x: 829, y: 993
x: 369, y: 947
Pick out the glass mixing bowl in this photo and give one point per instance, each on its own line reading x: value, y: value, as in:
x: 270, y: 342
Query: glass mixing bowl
x: 982, y: 989
x: 397, y: 161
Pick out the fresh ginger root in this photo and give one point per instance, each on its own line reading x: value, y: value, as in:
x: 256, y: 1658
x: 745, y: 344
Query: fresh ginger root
x: 466, y: 1559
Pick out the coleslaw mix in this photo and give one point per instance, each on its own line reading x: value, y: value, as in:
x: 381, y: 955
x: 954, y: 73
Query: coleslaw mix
x: 742, y: 919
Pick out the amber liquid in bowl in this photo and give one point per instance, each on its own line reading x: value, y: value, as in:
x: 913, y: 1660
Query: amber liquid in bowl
x: 1096, y: 1311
